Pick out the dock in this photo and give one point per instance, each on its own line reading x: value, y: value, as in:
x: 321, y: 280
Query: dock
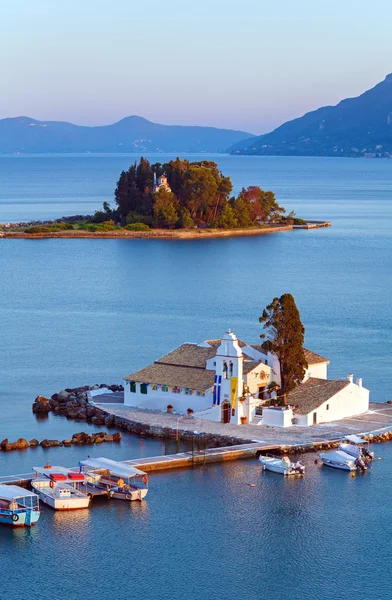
x: 169, y: 461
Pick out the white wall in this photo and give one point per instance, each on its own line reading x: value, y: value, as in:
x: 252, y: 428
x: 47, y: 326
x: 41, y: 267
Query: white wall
x: 352, y: 400
x: 318, y: 370
x: 277, y: 417
x: 158, y: 400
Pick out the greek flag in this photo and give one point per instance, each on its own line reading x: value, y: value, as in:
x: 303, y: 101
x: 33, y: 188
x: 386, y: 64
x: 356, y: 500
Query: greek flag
x: 217, y: 389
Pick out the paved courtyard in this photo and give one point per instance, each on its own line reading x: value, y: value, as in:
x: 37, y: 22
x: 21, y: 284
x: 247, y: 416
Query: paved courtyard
x: 378, y: 417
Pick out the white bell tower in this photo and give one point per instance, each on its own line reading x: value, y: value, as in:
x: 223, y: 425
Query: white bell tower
x: 229, y: 366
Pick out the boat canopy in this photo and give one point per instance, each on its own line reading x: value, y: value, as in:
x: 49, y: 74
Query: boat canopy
x: 355, y: 439
x: 9, y: 492
x: 338, y: 456
x: 55, y: 473
x: 118, y: 469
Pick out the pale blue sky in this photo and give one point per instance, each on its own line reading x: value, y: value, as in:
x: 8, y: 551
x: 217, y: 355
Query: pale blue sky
x: 246, y: 64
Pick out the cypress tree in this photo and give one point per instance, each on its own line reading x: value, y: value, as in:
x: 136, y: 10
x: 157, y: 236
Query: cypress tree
x: 285, y: 337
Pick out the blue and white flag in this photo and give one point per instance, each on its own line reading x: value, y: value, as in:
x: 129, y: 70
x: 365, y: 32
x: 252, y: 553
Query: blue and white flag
x: 217, y: 389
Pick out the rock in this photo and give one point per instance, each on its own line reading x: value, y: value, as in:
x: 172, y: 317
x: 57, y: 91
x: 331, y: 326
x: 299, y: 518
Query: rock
x: 41, y: 405
x: 67, y: 443
x: 98, y: 420
x: 34, y: 443
x: 50, y: 443
x: 90, y: 411
x: 63, y: 396
x: 20, y: 444
x: 108, y: 437
x: 109, y: 420
x: 117, y: 437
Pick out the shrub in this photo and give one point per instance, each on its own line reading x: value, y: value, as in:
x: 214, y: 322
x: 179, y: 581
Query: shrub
x: 36, y: 229
x: 298, y: 221
x: 137, y: 227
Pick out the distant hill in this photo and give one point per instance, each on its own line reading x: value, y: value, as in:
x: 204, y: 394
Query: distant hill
x: 359, y: 126
x: 132, y: 134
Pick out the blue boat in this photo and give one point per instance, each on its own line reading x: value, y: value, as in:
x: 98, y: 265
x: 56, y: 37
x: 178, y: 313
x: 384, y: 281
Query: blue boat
x: 18, y: 507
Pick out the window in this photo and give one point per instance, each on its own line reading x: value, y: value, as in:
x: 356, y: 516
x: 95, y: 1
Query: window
x: 214, y: 363
x: 164, y: 388
x: 198, y: 393
x: 231, y: 370
x: 176, y: 389
x: 132, y: 386
x: 327, y: 407
x: 188, y: 391
x: 143, y: 388
x: 225, y: 370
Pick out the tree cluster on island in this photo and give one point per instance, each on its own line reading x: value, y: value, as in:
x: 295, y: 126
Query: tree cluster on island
x: 199, y: 196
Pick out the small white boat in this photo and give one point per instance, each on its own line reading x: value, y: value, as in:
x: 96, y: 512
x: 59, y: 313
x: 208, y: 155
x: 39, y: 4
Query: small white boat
x: 281, y: 465
x: 357, y: 447
x: 121, y: 481
x: 59, y: 488
x: 341, y: 460
x: 18, y: 507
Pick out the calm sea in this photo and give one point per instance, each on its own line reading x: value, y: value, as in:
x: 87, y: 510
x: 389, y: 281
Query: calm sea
x: 91, y: 311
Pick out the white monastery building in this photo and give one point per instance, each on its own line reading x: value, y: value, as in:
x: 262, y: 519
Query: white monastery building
x: 230, y: 381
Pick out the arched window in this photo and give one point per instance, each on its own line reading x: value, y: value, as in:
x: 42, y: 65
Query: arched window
x: 231, y: 369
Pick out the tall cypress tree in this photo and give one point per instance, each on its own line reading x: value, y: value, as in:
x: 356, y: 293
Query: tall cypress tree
x: 285, y: 337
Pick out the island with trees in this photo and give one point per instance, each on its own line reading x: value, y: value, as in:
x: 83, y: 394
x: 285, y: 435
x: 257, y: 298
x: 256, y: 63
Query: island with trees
x: 178, y: 198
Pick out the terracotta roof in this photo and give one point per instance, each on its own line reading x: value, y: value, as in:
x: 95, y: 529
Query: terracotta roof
x: 188, y: 355
x: 312, y: 358
x: 248, y: 365
x: 216, y: 343
x: 313, y: 393
x: 192, y: 377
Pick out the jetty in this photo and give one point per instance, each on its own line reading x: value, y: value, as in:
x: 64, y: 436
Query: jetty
x: 169, y: 461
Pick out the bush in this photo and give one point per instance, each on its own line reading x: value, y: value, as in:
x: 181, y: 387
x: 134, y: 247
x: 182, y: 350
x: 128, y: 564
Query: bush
x: 36, y: 229
x: 298, y: 221
x: 136, y: 218
x: 137, y: 227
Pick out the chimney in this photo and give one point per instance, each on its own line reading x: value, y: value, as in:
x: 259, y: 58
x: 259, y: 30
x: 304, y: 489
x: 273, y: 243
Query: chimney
x: 359, y: 382
x: 350, y: 377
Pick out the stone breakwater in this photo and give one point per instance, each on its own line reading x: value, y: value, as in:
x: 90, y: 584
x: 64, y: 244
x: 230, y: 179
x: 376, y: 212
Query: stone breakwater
x: 78, y: 439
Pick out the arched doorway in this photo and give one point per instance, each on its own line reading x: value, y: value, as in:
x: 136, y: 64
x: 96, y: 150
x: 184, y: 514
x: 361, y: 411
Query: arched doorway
x: 226, y: 412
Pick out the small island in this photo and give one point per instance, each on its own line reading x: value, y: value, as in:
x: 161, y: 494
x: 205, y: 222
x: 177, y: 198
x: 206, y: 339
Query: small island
x: 177, y: 199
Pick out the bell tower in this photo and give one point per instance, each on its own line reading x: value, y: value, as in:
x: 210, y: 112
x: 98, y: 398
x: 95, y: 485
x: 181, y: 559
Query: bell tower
x: 229, y: 372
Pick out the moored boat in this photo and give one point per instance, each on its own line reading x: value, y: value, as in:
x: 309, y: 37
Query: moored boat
x: 121, y: 481
x: 341, y: 460
x: 18, y: 507
x: 357, y: 447
x: 282, y: 465
x: 59, y: 488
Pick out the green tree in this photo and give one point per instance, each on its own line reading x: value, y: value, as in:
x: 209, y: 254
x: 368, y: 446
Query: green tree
x: 285, y: 337
x: 165, y: 209
x: 227, y: 219
x: 243, y: 211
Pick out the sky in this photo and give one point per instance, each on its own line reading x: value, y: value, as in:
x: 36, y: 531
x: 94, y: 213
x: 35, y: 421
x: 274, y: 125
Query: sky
x: 239, y: 64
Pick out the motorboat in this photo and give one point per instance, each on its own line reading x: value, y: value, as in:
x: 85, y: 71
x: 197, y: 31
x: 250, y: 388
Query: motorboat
x: 121, y: 481
x: 357, y: 447
x: 281, y: 465
x: 60, y: 488
x: 18, y: 507
x: 339, y: 459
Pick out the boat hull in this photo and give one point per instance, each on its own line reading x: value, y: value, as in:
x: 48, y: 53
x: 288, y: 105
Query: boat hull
x: 61, y: 503
x: 26, y: 518
x: 131, y: 496
x: 343, y: 466
x: 276, y: 467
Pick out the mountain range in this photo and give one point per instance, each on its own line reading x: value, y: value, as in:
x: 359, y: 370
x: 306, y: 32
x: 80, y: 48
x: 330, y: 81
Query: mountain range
x: 132, y: 134
x: 360, y: 126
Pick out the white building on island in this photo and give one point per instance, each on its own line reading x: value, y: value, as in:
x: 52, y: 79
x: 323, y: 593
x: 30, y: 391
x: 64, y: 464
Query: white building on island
x: 230, y: 381
x: 160, y: 183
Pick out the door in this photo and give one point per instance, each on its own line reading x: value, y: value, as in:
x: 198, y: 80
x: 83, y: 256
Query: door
x: 314, y: 418
x: 226, y: 412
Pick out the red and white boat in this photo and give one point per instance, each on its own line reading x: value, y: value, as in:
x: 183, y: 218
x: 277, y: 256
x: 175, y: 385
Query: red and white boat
x: 60, y: 488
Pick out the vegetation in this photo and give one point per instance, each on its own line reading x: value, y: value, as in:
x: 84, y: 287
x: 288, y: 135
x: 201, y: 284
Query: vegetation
x: 198, y: 196
x: 285, y: 337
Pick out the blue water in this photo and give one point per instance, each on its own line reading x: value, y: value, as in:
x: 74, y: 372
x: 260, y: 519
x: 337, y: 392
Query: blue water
x: 91, y: 311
